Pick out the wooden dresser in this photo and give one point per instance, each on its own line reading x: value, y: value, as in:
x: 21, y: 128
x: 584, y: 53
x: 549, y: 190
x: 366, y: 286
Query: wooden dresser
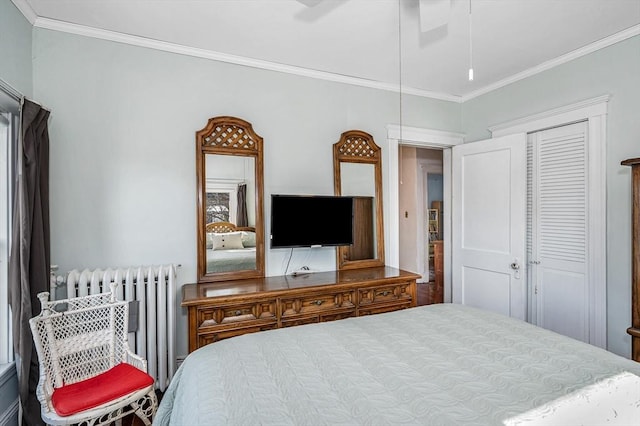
x: 634, y: 330
x: 221, y: 310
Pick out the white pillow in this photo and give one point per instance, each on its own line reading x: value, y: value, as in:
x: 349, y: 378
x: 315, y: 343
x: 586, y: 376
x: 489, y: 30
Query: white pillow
x: 227, y: 241
x: 248, y: 239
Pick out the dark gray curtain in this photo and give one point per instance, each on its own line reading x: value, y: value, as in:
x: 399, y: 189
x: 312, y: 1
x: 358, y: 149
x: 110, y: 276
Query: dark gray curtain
x: 241, y: 217
x: 30, y: 254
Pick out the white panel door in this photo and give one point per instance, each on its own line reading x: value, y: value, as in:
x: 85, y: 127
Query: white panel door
x: 488, y: 224
x: 558, y: 230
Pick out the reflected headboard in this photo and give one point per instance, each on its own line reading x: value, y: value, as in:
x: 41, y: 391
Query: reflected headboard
x: 222, y: 227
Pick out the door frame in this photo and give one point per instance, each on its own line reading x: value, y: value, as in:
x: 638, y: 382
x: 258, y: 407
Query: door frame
x: 422, y: 138
x: 594, y: 111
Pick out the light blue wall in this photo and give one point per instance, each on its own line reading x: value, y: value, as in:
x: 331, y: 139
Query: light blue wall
x: 123, y: 150
x: 615, y: 71
x: 15, y: 48
x: 123, y: 182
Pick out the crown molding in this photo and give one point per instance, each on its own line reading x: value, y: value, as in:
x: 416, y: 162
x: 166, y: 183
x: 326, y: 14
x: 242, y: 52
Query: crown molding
x: 25, y: 8
x: 590, y: 48
x: 27, y: 11
x: 56, y: 25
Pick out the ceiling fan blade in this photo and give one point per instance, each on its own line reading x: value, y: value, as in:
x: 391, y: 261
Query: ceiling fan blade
x: 434, y: 14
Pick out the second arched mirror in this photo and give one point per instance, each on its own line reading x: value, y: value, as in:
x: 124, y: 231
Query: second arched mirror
x: 229, y: 164
x: 357, y: 172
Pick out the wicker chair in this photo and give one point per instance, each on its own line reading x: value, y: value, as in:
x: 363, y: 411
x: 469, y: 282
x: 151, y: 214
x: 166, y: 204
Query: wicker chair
x: 88, y: 375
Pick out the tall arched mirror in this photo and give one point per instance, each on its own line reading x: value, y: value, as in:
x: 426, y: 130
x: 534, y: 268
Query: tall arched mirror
x: 229, y: 164
x: 357, y: 172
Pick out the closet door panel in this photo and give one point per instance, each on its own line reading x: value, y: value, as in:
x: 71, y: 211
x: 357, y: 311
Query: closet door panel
x: 559, y: 230
x: 562, y: 304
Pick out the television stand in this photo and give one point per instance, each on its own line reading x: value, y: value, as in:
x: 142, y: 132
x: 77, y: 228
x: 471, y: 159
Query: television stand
x: 226, y: 309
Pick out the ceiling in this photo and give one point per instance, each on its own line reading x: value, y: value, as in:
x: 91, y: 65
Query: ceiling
x: 358, y: 40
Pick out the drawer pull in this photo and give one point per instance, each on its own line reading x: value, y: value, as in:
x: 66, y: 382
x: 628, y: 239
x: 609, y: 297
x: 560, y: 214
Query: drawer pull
x: 384, y: 293
x: 238, y: 313
x: 318, y: 302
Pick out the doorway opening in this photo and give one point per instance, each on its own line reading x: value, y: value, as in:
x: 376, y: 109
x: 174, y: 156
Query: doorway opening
x: 437, y: 140
x: 421, y: 202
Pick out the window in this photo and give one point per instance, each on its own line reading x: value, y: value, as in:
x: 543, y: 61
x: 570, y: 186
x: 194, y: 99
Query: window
x: 222, y: 201
x: 8, y: 137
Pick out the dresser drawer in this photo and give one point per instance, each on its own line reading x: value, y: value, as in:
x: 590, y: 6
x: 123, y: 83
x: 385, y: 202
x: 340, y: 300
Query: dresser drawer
x: 215, y: 336
x: 380, y: 309
x: 328, y: 315
x: 316, y: 303
x: 337, y: 315
x: 299, y: 320
x: 215, y: 315
x: 391, y: 293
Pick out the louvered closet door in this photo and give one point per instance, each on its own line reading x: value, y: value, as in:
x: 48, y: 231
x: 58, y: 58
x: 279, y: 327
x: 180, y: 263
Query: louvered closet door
x: 557, y: 229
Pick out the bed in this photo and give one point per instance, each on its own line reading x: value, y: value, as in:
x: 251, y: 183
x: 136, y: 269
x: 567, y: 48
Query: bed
x: 230, y: 248
x: 442, y: 364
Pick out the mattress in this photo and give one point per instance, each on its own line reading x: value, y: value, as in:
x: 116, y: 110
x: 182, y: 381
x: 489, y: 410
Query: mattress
x: 441, y: 364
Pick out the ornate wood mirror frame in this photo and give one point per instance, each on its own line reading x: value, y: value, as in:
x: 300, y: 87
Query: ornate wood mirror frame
x: 229, y: 154
x: 357, y: 171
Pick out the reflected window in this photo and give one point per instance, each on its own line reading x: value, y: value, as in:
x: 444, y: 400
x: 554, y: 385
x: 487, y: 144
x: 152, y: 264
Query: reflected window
x: 218, y: 207
x: 222, y: 202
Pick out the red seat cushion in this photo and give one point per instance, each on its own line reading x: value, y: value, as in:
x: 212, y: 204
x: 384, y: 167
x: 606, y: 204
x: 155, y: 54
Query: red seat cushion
x: 90, y: 393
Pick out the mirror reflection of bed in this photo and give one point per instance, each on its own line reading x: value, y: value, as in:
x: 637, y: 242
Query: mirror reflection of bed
x: 230, y: 247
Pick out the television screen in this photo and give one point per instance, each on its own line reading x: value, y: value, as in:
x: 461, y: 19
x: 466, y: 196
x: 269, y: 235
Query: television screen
x: 311, y: 220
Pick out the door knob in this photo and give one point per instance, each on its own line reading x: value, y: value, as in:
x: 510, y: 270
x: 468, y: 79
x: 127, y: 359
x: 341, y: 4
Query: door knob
x: 515, y: 265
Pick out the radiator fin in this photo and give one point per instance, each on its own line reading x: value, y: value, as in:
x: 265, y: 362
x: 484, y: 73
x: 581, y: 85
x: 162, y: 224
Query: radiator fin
x: 153, y: 287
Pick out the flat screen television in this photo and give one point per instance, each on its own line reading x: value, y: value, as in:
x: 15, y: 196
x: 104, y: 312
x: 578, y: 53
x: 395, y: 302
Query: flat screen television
x: 311, y: 221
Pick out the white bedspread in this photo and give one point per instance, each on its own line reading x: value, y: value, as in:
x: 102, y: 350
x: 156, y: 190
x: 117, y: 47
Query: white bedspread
x: 231, y: 259
x: 612, y: 401
x: 433, y: 365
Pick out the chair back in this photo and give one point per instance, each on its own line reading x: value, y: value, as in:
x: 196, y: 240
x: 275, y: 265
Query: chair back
x: 79, y: 338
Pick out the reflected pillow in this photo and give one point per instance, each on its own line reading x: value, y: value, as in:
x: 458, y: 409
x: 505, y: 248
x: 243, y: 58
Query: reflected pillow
x: 209, y: 240
x: 248, y: 239
x: 227, y: 241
